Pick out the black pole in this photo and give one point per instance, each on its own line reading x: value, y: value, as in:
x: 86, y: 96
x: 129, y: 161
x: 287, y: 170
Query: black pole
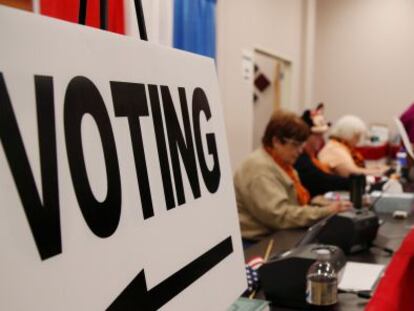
x: 141, y: 20
x: 82, y: 12
x: 103, y: 8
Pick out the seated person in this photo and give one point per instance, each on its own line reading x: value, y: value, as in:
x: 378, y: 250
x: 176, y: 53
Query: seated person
x: 340, y: 153
x: 268, y: 191
x: 407, y: 119
x: 315, y: 175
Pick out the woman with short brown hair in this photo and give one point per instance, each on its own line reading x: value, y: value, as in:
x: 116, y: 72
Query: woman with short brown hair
x: 285, y: 125
x: 268, y: 190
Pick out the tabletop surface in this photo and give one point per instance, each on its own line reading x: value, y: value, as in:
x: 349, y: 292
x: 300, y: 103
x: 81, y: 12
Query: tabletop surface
x: 390, y: 234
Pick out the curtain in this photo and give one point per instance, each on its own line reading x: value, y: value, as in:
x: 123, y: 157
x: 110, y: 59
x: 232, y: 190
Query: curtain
x: 195, y: 26
x: 69, y: 10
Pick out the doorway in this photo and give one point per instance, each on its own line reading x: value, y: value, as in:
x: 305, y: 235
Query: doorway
x: 271, y: 89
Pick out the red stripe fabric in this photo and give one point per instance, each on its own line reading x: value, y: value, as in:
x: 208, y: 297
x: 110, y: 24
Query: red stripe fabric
x: 395, y: 292
x: 68, y: 10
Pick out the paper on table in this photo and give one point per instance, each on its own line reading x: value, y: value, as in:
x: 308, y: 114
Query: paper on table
x: 360, y: 276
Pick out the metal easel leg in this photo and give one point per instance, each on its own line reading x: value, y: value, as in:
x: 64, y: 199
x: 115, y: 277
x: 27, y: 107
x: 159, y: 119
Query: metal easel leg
x: 141, y: 20
x: 103, y: 8
x: 82, y: 12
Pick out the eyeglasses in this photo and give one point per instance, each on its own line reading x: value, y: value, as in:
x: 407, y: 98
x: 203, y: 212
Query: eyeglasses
x: 295, y: 143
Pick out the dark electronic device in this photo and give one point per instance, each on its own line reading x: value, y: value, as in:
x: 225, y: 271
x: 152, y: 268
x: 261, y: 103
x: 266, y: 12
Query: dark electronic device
x: 357, y: 190
x: 352, y: 231
x: 283, y: 278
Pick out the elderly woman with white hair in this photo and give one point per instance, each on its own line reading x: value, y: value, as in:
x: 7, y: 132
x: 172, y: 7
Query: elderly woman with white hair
x: 340, y: 154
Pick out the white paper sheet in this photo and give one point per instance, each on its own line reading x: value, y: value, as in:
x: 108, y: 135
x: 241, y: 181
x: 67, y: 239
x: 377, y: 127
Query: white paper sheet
x: 360, y: 276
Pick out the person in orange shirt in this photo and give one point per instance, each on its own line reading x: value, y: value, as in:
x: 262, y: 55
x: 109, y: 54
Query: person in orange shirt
x: 316, y: 176
x: 340, y: 153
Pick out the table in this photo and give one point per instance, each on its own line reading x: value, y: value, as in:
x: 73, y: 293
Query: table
x: 390, y: 235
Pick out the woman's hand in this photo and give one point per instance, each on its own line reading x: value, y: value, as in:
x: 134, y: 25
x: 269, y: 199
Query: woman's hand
x: 340, y: 206
x: 378, y: 170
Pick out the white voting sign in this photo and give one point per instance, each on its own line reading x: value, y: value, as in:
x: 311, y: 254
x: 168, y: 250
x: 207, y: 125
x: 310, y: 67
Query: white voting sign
x: 115, y: 184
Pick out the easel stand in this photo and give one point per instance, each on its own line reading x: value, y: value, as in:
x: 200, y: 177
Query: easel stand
x: 104, y: 16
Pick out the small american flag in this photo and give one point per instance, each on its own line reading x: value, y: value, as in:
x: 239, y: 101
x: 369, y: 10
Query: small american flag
x: 255, y: 262
x: 252, y: 275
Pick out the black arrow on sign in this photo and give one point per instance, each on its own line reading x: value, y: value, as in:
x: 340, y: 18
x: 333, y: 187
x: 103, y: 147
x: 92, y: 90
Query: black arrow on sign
x: 137, y: 297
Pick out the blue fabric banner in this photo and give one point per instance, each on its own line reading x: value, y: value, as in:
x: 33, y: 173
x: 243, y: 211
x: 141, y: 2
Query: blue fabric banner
x: 195, y: 26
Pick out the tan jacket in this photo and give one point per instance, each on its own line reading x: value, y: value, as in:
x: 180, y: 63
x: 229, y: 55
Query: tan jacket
x: 266, y: 198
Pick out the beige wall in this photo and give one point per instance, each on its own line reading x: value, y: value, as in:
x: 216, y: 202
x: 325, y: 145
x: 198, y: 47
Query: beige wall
x: 364, y: 60
x: 284, y: 28
x: 277, y: 26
